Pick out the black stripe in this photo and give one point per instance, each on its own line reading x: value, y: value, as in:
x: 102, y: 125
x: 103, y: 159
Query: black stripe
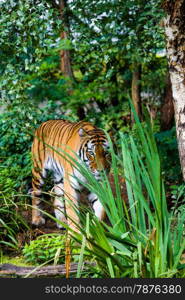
x: 60, y: 181
x: 85, y: 160
x: 92, y: 202
x: 98, y: 141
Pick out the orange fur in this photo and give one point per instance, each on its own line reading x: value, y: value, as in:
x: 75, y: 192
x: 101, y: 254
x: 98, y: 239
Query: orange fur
x: 67, y: 137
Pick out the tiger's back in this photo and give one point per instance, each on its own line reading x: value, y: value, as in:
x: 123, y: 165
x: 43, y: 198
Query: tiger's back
x: 54, y: 135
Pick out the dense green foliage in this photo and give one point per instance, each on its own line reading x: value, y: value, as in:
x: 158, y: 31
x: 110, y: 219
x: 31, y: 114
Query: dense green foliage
x: 108, y: 41
x: 49, y: 249
x: 45, y: 249
x: 11, y: 221
x: 112, y: 40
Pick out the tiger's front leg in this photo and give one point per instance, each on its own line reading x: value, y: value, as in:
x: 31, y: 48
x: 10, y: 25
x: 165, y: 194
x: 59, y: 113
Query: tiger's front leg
x: 59, y: 205
x: 97, y: 206
x: 71, y: 197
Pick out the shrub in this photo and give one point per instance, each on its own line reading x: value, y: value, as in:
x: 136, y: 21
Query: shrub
x: 49, y: 248
x: 11, y: 180
x: 11, y: 223
x: 46, y: 248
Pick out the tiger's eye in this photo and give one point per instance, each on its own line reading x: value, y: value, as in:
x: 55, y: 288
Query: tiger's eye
x: 90, y: 155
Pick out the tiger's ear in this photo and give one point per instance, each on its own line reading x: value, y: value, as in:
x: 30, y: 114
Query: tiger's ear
x: 82, y: 132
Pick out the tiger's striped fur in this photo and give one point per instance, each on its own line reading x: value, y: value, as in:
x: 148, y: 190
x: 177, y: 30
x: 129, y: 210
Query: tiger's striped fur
x: 80, y: 138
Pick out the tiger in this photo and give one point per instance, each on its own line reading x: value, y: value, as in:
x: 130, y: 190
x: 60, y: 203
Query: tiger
x: 81, y: 140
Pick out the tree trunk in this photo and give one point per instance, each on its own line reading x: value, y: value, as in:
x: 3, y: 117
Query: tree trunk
x: 167, y: 109
x: 136, y: 91
x: 65, y: 59
x: 65, y: 62
x: 174, y: 23
x: 7, y: 270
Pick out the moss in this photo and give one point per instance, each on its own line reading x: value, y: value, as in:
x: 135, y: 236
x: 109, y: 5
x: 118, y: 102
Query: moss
x: 17, y: 260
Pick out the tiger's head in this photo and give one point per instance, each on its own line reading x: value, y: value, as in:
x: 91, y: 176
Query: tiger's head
x: 94, y: 151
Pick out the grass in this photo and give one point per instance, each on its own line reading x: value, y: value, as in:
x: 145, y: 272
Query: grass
x: 16, y: 260
x: 11, y: 222
x: 139, y: 241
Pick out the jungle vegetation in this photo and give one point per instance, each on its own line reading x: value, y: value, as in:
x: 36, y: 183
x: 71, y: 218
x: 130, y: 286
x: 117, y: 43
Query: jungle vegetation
x: 108, y: 62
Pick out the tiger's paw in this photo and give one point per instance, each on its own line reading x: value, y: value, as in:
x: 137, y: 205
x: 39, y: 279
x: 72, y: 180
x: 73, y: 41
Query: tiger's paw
x: 38, y: 221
